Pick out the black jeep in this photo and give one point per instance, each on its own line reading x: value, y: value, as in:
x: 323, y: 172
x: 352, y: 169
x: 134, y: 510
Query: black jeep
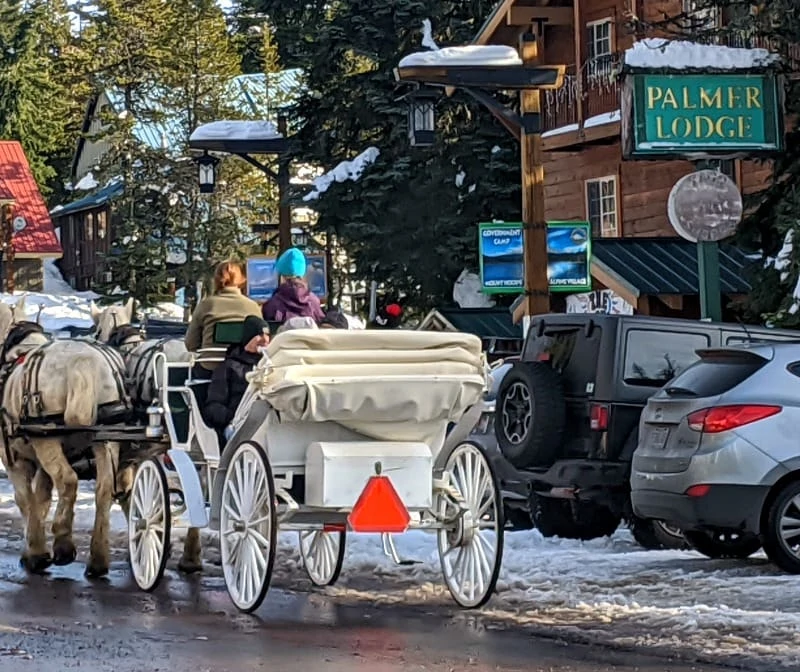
x: 567, y: 414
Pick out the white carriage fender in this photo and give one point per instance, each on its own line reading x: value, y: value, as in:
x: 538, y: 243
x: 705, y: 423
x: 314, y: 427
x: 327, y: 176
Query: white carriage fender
x: 191, y: 487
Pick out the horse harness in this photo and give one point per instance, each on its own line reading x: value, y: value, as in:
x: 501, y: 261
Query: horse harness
x: 32, y: 408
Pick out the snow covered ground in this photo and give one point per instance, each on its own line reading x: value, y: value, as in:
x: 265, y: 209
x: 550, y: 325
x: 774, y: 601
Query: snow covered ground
x: 62, y: 307
x: 606, y: 590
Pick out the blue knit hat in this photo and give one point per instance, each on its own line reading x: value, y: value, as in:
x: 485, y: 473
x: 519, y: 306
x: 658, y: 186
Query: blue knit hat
x: 291, y: 264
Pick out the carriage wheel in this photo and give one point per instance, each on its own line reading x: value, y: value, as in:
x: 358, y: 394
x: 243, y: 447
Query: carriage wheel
x: 248, y: 526
x: 471, y: 549
x: 323, y: 555
x: 149, y: 525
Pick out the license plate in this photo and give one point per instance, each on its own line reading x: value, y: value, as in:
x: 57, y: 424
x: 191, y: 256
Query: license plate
x: 658, y: 437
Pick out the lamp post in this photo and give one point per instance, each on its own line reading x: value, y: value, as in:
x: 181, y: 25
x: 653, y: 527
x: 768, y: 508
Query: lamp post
x: 527, y: 77
x: 422, y: 116
x: 207, y: 172
x: 299, y: 238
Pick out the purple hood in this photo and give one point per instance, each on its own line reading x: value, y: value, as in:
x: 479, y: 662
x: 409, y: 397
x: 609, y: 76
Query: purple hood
x: 292, y: 299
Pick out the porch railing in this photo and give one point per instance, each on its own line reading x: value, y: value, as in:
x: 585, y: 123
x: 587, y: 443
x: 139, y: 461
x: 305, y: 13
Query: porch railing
x: 598, y: 94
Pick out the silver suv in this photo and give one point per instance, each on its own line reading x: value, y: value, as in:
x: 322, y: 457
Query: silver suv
x: 719, y: 453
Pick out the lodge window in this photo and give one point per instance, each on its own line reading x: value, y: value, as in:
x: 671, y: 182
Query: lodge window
x: 601, y: 207
x: 600, y: 44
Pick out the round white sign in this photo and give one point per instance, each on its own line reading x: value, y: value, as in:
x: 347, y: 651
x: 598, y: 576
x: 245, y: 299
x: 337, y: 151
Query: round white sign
x: 19, y: 223
x: 705, y: 206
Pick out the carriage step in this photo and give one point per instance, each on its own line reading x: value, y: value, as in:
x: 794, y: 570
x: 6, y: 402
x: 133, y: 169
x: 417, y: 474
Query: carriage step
x: 390, y: 550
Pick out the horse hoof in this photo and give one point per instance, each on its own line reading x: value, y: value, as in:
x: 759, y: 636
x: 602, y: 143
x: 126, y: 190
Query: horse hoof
x: 64, y: 552
x: 190, y: 567
x: 96, y: 571
x: 36, y: 564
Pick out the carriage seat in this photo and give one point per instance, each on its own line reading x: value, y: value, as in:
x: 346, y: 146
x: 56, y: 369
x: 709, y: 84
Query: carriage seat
x: 225, y: 334
x: 389, y: 385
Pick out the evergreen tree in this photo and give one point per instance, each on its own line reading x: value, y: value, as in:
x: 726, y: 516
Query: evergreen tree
x: 179, y: 75
x: 405, y: 222
x: 35, y: 97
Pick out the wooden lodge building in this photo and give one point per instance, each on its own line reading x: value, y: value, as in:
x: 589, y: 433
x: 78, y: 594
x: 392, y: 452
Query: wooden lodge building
x: 636, y: 252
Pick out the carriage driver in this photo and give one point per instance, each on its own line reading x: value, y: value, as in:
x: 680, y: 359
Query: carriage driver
x: 228, y: 383
x: 226, y: 304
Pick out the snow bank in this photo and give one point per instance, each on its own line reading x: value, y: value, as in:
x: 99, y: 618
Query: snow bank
x: 470, y: 54
x: 346, y: 170
x: 656, y: 52
x: 236, y: 130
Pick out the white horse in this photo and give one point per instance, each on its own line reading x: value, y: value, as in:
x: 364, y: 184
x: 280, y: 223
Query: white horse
x: 77, y: 385
x: 114, y: 327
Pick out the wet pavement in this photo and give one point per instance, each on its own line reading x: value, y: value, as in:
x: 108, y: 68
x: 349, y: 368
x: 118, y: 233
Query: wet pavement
x: 62, y: 621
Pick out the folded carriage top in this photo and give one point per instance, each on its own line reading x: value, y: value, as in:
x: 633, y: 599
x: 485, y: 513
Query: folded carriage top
x: 372, y: 381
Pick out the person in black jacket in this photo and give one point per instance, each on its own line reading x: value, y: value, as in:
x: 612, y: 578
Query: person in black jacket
x: 228, y: 384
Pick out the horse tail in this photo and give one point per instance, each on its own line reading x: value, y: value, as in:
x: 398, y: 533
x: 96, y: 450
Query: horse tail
x: 80, y: 409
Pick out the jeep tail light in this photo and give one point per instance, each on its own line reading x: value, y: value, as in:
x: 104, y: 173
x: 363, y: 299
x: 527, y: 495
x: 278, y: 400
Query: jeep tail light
x: 725, y: 418
x: 599, y: 417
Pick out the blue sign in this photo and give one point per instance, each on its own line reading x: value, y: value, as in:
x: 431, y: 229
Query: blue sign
x: 262, y: 279
x: 502, y: 258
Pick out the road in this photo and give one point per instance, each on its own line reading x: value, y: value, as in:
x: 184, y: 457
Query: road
x: 62, y: 621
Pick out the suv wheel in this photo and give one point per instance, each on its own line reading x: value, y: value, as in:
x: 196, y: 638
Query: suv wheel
x: 556, y: 518
x: 656, y: 535
x: 723, y: 544
x: 782, y: 529
x: 530, y: 417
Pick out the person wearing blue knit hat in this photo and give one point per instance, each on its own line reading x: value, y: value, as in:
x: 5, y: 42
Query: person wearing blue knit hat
x: 293, y: 298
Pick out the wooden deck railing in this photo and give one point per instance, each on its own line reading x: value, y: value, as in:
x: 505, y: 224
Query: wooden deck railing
x: 599, y: 89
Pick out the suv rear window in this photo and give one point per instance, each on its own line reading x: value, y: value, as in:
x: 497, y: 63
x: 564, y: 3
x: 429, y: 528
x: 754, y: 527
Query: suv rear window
x: 569, y: 352
x: 653, y: 358
x: 714, y: 375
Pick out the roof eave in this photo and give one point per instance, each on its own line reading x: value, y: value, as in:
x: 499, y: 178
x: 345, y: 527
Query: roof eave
x: 492, y: 23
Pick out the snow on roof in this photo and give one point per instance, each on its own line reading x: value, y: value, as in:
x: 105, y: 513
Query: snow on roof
x: 597, y: 120
x: 346, y: 170
x: 655, y: 52
x: 236, y: 130
x: 86, y: 183
x: 470, y: 54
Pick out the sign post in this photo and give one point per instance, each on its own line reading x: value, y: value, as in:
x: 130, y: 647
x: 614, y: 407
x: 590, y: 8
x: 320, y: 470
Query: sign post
x: 705, y: 207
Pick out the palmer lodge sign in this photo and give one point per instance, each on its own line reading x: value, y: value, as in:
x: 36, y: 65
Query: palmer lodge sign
x: 713, y: 114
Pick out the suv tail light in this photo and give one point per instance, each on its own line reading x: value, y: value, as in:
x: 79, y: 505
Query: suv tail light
x: 725, y: 418
x: 598, y: 417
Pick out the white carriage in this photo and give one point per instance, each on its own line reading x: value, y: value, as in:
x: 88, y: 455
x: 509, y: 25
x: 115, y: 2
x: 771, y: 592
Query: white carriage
x: 347, y: 432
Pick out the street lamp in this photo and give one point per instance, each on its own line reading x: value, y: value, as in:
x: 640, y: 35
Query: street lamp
x: 299, y: 238
x: 207, y: 172
x: 422, y: 117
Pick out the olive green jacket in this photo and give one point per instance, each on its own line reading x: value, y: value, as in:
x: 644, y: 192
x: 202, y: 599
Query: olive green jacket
x: 227, y: 305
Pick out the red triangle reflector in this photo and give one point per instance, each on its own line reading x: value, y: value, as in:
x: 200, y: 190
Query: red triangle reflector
x: 379, y: 508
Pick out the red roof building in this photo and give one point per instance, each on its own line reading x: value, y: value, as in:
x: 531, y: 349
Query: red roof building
x: 38, y: 239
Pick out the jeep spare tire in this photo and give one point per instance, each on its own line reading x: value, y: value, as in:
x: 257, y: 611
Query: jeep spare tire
x: 530, y: 415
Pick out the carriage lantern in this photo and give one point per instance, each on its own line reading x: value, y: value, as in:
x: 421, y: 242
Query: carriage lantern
x: 422, y: 117
x: 207, y: 172
x: 155, y: 427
